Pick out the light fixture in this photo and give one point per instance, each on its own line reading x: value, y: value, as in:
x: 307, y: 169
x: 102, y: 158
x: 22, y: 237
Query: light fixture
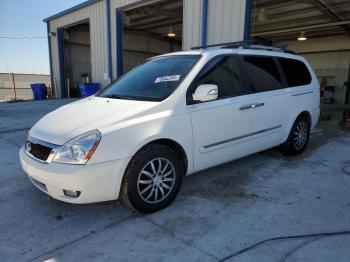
x: 262, y: 15
x: 171, y: 33
x: 302, y: 36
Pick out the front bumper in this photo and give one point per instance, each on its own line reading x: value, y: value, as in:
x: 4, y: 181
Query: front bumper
x: 96, y: 182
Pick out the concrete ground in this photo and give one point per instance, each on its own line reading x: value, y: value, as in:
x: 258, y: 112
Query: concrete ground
x: 218, y: 212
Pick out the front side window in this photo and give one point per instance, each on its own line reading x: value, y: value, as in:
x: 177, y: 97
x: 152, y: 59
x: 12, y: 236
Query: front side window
x: 295, y: 71
x: 154, y: 80
x: 263, y: 73
x: 221, y: 71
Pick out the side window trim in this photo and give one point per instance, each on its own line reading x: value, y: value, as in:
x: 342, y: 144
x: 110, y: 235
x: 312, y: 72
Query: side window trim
x: 191, y: 86
x: 244, y: 78
x: 282, y: 75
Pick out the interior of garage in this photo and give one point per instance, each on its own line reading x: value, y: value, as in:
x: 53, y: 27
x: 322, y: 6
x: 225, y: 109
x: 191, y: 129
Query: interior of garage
x: 317, y: 29
x: 151, y: 29
x: 77, y: 57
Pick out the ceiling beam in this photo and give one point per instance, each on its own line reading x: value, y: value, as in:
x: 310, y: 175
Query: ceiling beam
x: 266, y: 4
x: 328, y: 12
x: 302, y: 28
x: 296, y: 22
x: 166, y: 22
x: 157, y: 36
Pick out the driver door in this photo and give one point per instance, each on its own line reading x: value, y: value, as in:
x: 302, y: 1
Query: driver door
x: 220, y: 127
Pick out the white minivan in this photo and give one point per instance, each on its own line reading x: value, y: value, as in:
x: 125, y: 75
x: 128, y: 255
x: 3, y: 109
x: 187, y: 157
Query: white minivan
x: 171, y: 116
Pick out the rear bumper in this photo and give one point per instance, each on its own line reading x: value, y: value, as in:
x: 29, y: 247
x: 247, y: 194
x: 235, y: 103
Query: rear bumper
x: 96, y: 182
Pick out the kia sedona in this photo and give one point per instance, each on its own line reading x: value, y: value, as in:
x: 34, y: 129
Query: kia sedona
x: 171, y: 116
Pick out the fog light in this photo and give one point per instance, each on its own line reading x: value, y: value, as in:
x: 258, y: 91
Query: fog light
x: 71, y: 193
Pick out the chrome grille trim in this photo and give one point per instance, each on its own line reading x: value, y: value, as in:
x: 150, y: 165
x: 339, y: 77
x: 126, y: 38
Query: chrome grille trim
x: 54, y: 149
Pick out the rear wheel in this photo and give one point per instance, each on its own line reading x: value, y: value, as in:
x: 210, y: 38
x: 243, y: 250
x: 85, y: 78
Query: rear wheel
x: 298, y: 138
x: 152, y: 179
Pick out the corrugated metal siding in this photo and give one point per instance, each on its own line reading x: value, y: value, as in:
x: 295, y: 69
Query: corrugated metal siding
x: 192, y: 23
x: 96, y: 14
x: 225, y: 21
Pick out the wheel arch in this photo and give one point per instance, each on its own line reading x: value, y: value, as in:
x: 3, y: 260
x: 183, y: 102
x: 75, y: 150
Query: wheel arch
x: 174, y: 145
x: 306, y: 113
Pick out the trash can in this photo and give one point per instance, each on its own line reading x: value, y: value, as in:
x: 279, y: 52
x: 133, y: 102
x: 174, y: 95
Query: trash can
x: 39, y: 91
x: 88, y: 89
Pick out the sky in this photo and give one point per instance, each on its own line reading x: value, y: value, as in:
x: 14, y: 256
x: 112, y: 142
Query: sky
x: 24, y: 18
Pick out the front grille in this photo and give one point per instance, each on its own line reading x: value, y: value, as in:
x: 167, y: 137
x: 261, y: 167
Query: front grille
x: 39, y: 151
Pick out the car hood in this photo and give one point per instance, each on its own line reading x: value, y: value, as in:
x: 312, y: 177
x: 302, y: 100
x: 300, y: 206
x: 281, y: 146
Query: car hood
x: 85, y: 115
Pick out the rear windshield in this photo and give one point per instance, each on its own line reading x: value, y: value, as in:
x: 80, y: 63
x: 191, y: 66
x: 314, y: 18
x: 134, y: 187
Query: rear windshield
x: 153, y: 80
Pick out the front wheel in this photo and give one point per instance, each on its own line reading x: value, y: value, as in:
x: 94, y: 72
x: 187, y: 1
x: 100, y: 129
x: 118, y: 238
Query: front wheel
x: 298, y: 138
x: 152, y: 180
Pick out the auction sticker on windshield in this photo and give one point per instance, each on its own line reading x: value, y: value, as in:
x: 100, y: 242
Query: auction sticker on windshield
x: 167, y: 78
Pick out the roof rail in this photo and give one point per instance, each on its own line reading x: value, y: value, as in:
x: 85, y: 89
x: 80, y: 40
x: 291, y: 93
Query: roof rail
x: 245, y: 45
x: 222, y: 45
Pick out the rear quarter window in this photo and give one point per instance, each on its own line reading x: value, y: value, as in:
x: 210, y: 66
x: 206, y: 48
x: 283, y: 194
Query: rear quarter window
x: 295, y: 71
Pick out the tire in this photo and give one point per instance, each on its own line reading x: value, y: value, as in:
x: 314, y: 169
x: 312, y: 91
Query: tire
x: 298, y: 138
x: 152, y: 179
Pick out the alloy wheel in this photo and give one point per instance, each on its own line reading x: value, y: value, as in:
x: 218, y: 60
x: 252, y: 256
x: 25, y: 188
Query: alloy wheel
x: 156, y: 180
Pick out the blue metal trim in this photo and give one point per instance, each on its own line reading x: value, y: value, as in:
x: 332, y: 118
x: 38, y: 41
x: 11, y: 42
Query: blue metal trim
x: 119, y: 41
x: 50, y: 58
x: 204, y: 22
x: 248, y: 19
x: 72, y: 9
x: 60, y: 45
x: 109, y: 37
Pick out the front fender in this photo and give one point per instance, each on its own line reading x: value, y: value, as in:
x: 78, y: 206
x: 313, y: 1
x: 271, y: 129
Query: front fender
x: 125, y: 142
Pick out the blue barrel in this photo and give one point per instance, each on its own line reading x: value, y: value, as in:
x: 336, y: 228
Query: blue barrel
x: 88, y: 89
x: 39, y: 91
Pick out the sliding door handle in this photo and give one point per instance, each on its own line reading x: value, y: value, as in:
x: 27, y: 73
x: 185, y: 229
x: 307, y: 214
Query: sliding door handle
x: 246, y: 107
x: 257, y: 105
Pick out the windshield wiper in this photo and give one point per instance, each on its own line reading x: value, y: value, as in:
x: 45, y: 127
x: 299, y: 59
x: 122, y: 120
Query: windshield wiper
x: 118, y: 97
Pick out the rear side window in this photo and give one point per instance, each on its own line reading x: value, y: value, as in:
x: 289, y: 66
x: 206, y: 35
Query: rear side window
x: 263, y: 73
x: 295, y: 71
x: 223, y: 72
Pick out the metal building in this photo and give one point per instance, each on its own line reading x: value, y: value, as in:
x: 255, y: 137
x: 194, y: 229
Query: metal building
x: 99, y: 40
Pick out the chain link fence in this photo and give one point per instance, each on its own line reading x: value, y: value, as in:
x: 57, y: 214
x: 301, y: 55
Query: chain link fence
x: 17, y: 86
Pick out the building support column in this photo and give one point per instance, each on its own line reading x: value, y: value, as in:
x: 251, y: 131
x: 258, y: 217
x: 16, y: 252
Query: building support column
x: 204, y: 22
x: 109, y: 39
x: 248, y: 20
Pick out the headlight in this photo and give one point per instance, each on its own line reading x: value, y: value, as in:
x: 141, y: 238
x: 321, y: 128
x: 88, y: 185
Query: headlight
x: 79, y: 149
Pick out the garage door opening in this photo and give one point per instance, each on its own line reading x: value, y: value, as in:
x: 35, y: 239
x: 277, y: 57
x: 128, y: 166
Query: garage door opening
x: 151, y: 30
x: 77, y: 57
x: 318, y: 30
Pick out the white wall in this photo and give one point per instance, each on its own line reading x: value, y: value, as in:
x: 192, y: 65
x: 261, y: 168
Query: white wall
x: 332, y: 65
x: 22, y: 85
x: 225, y: 21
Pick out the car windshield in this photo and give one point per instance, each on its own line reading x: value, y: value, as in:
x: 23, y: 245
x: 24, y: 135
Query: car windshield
x: 153, y: 80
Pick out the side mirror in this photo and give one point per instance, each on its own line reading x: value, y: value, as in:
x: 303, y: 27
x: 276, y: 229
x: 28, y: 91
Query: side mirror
x: 206, y: 93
